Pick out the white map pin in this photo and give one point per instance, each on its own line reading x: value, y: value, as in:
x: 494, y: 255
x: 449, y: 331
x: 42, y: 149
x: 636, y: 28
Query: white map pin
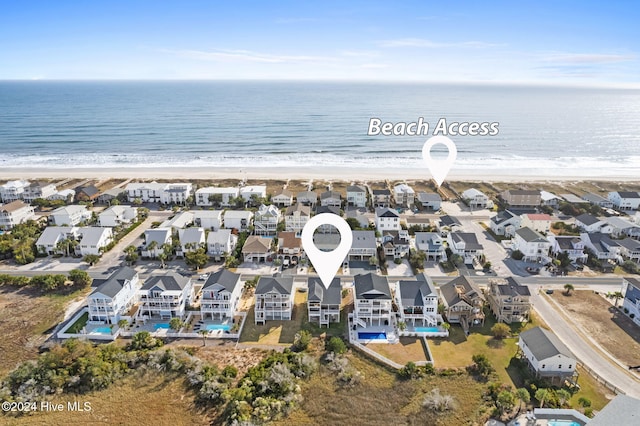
x: 439, y: 168
x: 327, y: 263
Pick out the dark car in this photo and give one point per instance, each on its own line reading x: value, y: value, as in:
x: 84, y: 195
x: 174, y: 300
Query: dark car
x: 549, y: 291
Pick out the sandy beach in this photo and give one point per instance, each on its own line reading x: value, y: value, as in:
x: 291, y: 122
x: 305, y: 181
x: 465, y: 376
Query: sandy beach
x: 327, y: 173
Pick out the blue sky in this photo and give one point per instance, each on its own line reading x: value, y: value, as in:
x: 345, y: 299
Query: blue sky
x: 575, y: 42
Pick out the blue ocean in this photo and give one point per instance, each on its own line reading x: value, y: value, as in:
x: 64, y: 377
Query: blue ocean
x: 269, y: 124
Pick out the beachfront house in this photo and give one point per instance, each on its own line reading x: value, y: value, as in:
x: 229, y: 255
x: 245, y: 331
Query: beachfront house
x: 220, y: 295
x: 364, y: 245
x: 404, y: 195
x: 331, y: 199
x: 237, y: 219
x: 505, y: 223
x: 625, y: 200
x: 282, y: 198
x: 549, y: 199
x: 431, y: 244
x: 521, y: 197
x: 176, y: 193
x: 631, y: 301
x: 87, y: 193
x: 273, y: 299
x: 154, y: 239
x: 112, y: 299
x: 251, y: 192
x: 117, y: 215
x: 37, y: 190
x: 602, y: 246
x: 208, y: 219
x: 265, y: 220
x: 257, y: 249
x: 13, y: 190
x: 66, y: 195
x: 214, y: 196
x: 327, y: 228
x: 548, y: 358
x: 572, y: 245
x: 630, y: 249
x: 179, y: 221
x: 323, y: 303
x: 430, y: 200
x: 307, y: 198
x: 289, y: 248
x: 14, y: 213
x: 296, y: 216
x: 69, y: 215
x: 465, y: 244
x: 356, y: 196
x: 387, y: 219
x: 417, y: 302
x: 52, y: 236
x: 109, y: 195
x: 381, y: 197
x: 221, y: 243
x: 509, y: 300
x: 463, y: 301
x: 476, y: 199
x: 190, y: 239
x: 536, y: 221
x: 532, y: 244
x: 372, y: 300
x: 164, y: 297
x: 154, y: 192
x: 93, y: 240
x: 597, y: 200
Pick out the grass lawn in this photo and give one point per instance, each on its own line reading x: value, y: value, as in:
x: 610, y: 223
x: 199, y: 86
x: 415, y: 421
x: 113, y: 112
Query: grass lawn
x: 276, y: 332
x: 592, y: 390
x: 409, y: 349
x: 79, y: 324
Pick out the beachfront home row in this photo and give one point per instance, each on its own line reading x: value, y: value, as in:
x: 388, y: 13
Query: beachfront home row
x: 417, y: 302
x: 476, y: 199
x: 164, y: 193
x: 113, y: 298
x: 273, y: 299
x: 323, y: 303
x: 220, y: 295
x: 521, y: 197
x: 13, y: 190
x: 14, y: 213
x: 163, y: 297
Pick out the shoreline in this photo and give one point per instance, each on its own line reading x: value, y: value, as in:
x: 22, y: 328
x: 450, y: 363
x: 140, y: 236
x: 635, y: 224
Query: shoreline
x: 314, y: 172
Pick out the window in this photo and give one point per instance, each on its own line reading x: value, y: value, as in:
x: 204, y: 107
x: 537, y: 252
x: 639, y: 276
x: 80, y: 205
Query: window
x: 569, y: 366
x: 559, y: 366
x: 543, y: 366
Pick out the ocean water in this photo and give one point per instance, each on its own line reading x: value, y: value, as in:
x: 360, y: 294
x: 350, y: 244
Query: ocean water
x: 271, y: 124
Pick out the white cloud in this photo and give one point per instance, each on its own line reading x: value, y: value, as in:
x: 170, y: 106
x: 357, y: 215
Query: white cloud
x: 420, y: 42
x: 587, y: 58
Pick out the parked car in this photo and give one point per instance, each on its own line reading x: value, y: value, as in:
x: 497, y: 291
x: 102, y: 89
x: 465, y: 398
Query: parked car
x: 549, y: 291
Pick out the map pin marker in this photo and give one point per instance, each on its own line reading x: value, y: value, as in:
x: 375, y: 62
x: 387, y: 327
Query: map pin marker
x: 327, y: 263
x: 439, y: 168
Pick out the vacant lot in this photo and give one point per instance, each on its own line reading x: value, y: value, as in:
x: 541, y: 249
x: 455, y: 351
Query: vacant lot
x: 409, y: 349
x: 26, y: 316
x: 275, y: 332
x: 604, y: 323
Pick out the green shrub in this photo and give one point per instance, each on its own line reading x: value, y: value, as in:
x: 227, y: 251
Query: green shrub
x: 336, y: 345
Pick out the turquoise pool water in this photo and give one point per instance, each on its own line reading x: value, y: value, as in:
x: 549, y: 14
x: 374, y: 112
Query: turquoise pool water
x: 427, y: 329
x: 372, y: 336
x: 102, y: 330
x: 159, y: 326
x: 211, y: 327
x: 563, y: 423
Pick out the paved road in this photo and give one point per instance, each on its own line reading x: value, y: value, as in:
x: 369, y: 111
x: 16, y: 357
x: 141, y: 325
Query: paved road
x: 583, y: 351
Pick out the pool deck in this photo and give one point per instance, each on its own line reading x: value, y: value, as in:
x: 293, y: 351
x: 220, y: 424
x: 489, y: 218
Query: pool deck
x: 549, y: 416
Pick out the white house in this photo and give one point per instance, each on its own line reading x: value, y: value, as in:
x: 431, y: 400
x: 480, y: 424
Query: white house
x: 13, y: 190
x: 372, y: 300
x: 625, y: 200
x: 273, y: 299
x: 117, y: 215
x: 52, y: 235
x: 111, y: 299
x: 431, y: 244
x: 387, y: 219
x: 476, y: 199
x: 323, y: 303
x: 331, y: 199
x: 265, y: 220
x: 532, y: 244
x: 238, y: 219
x: 620, y: 227
x: 283, y: 198
x: 546, y: 355
x: 190, y: 240
x: 589, y: 223
x: 93, y: 239
x: 549, y: 199
x: 505, y: 223
x: 154, y: 192
x: 536, y: 221
x: 417, y: 302
x: 356, y: 196
x: 69, y: 215
x: 208, y: 219
x: 602, y: 246
x: 220, y: 295
x: 396, y: 243
x: 66, y: 195
x: 631, y: 301
x: 574, y: 246
x: 260, y: 191
x: 38, y: 190
x: 404, y: 195
x: 154, y: 240
x: 465, y: 244
x: 14, y: 213
x: 296, y: 216
x: 165, y: 296
x: 364, y: 245
x: 220, y: 242
x: 630, y: 249
x: 206, y: 196
x: 307, y: 198
x: 447, y: 224
x: 176, y: 193
x: 179, y: 221
x: 430, y: 200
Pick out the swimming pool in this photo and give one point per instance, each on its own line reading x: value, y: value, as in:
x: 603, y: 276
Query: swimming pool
x: 161, y: 326
x: 563, y: 423
x: 102, y: 330
x: 211, y: 327
x: 380, y: 335
x: 426, y: 329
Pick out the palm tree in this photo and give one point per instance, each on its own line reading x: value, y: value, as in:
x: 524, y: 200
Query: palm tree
x: 524, y: 396
x: 176, y: 324
x: 541, y: 395
x: 568, y: 288
x: 123, y: 323
x: 151, y: 247
x: 204, y: 334
x: 616, y: 297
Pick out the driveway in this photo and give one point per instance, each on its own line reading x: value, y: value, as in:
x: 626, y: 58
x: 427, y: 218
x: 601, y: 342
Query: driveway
x: 493, y: 251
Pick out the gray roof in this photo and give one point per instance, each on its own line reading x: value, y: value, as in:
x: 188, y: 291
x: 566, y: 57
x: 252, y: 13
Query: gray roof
x: 531, y: 236
x: 620, y: 223
x: 513, y: 288
x: 386, y: 212
x: 158, y: 235
x: 112, y: 285
x: 89, y: 190
x: 355, y: 188
x: 280, y: 285
x: 523, y: 192
x: 413, y: 292
x: 599, y: 240
x: 307, y: 195
x: 567, y: 242
x: 381, y: 192
x: 622, y: 411
x: 449, y: 221
x: 629, y: 194
x: 304, y: 210
x: 594, y: 198
x: 587, y: 219
x: 427, y: 238
x: 328, y: 209
x: 363, y: 239
x: 91, y: 235
x: 318, y: 292
x: 572, y: 198
x: 224, y: 279
x: 330, y: 194
x: 51, y: 234
x: 469, y: 291
x: 470, y: 240
x: 170, y: 282
x: 371, y: 286
x: 544, y: 344
x: 426, y: 197
x: 502, y: 216
x: 629, y: 244
x: 220, y: 236
x: 191, y: 235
